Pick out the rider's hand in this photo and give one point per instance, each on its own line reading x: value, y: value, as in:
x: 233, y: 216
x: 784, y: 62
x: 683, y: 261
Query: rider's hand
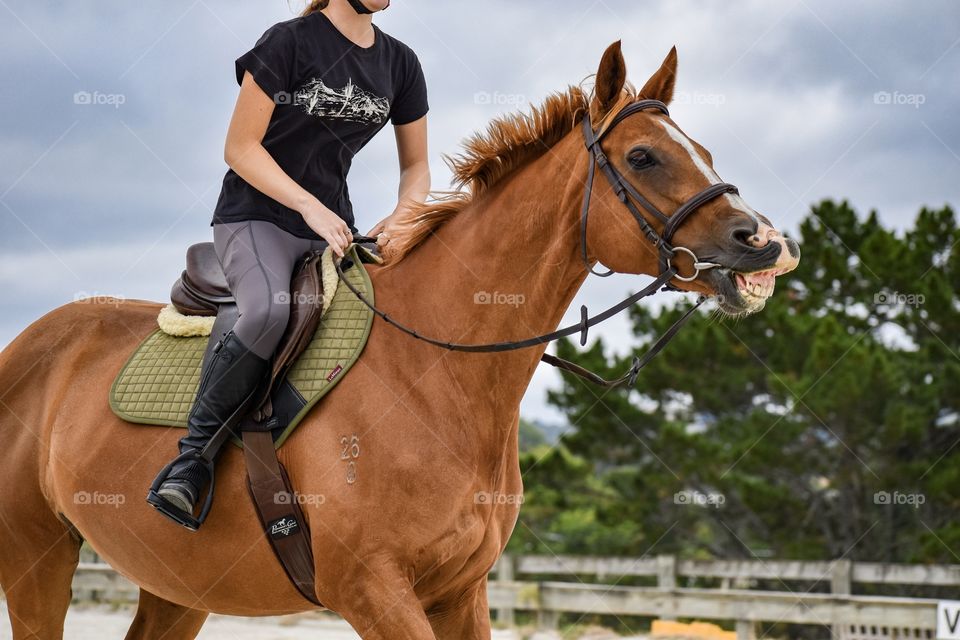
x: 380, y: 230
x: 328, y: 226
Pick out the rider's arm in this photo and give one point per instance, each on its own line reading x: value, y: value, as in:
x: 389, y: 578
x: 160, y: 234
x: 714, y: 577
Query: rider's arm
x: 245, y: 153
x: 414, y: 168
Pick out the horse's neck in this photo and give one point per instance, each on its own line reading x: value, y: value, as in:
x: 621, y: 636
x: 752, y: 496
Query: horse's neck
x: 505, y: 268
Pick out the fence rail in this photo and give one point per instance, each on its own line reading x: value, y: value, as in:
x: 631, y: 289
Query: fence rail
x: 860, y: 572
x: 716, y: 604
x: 850, y: 616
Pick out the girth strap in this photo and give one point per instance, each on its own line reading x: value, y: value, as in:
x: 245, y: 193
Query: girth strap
x: 278, y: 507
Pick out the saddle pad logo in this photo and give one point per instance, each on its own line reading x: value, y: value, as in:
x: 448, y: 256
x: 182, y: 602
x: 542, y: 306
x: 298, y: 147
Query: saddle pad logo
x: 282, y: 527
x: 334, y: 373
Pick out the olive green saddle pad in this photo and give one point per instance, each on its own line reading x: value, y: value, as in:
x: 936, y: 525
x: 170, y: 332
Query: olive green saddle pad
x: 159, y: 382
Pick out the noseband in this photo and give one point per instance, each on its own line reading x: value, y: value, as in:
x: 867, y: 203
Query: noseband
x: 628, y: 195
x: 661, y: 241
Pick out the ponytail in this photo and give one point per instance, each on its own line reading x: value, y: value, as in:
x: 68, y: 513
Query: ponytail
x: 314, y: 6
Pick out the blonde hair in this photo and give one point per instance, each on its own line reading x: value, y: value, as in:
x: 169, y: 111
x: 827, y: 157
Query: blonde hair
x: 314, y: 6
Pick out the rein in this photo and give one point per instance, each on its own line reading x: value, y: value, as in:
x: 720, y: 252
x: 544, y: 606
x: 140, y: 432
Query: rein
x: 662, y: 242
x: 581, y: 327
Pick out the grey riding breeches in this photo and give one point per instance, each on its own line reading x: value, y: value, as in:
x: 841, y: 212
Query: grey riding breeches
x: 258, y: 258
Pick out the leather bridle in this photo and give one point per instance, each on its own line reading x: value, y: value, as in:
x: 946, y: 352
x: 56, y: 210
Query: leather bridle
x: 628, y: 195
x: 661, y: 241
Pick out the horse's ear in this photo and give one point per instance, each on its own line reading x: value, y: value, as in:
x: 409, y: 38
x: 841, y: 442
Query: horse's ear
x: 660, y: 85
x: 611, y: 76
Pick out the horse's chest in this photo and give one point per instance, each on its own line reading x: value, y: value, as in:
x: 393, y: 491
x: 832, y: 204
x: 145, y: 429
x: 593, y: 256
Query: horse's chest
x: 461, y: 556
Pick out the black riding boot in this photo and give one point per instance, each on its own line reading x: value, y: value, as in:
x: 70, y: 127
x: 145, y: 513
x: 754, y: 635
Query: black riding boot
x: 233, y: 374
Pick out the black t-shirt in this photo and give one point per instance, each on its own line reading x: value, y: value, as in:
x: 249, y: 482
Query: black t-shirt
x: 332, y: 97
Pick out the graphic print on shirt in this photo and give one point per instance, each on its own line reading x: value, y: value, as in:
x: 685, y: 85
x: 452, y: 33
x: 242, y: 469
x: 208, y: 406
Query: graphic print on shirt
x: 348, y: 103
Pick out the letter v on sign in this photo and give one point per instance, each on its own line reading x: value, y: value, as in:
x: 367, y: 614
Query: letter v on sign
x: 948, y: 620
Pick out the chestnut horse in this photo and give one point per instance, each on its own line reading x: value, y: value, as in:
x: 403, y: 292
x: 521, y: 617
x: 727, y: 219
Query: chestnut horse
x: 408, y: 471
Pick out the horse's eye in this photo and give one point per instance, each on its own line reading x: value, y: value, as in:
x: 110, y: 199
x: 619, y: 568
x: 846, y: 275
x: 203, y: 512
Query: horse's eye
x: 641, y: 158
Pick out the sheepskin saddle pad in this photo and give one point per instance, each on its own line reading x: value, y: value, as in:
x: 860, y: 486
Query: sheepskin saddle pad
x: 159, y: 382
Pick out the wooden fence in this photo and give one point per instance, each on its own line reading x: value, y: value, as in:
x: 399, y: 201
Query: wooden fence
x: 849, y: 616
x: 572, y: 588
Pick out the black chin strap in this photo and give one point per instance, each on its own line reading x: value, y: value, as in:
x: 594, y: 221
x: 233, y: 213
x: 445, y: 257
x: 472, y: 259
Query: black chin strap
x: 359, y: 7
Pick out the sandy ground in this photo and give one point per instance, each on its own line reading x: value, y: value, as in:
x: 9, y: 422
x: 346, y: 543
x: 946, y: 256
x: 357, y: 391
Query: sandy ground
x: 102, y: 623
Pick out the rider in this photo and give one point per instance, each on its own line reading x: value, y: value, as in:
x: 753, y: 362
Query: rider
x: 314, y: 90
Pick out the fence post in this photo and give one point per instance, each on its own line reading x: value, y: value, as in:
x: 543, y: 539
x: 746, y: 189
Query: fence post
x: 746, y: 630
x: 841, y: 577
x: 841, y: 584
x: 547, y: 620
x: 505, y: 574
x: 667, y: 576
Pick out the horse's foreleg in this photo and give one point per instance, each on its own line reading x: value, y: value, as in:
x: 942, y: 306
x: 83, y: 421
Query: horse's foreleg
x: 466, y: 619
x: 381, y: 609
x: 158, y: 619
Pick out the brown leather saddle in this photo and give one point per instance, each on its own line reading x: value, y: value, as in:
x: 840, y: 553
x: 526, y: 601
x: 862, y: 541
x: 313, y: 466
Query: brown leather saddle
x: 202, y: 290
x: 202, y: 287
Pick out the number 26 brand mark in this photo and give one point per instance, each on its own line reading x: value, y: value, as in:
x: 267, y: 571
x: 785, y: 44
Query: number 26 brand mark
x: 349, y: 453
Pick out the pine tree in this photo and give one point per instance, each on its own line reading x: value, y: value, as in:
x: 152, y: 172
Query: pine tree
x: 825, y: 426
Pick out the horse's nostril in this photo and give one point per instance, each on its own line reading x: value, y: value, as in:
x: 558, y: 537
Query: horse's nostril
x: 746, y: 236
x: 793, y: 247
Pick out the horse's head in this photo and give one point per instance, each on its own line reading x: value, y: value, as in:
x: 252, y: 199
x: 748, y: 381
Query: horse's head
x: 738, y: 251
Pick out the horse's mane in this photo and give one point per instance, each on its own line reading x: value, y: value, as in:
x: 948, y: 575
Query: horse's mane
x: 509, y: 142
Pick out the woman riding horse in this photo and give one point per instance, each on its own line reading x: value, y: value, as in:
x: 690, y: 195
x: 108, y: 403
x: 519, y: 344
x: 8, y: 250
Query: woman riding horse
x: 313, y: 91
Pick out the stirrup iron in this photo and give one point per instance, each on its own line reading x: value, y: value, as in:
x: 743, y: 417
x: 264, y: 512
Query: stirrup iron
x: 167, y: 508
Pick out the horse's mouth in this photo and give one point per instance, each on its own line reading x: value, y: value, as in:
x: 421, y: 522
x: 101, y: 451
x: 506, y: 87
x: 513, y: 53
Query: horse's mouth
x: 742, y: 293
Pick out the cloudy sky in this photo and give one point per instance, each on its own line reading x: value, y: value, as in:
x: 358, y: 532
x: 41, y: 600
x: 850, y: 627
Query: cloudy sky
x: 797, y: 101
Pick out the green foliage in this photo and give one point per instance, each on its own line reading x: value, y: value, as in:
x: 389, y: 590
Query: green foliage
x: 530, y: 436
x: 793, y: 419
